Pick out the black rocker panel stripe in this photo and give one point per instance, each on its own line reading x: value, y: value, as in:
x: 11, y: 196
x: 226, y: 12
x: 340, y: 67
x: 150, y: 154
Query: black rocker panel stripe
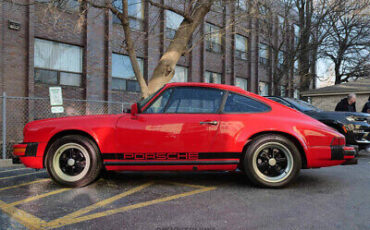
x: 201, y: 156
x: 226, y: 162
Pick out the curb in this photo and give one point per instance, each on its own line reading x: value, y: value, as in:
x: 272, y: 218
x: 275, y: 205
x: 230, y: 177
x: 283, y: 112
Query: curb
x: 6, y: 163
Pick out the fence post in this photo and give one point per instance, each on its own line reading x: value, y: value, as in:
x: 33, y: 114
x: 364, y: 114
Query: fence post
x: 4, y: 125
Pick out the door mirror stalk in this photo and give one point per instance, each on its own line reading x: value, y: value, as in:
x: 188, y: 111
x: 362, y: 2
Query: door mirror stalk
x: 134, y: 110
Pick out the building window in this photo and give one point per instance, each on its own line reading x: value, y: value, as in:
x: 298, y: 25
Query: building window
x: 123, y: 76
x: 173, y: 22
x: 282, y: 91
x: 263, y: 88
x: 211, y: 77
x: 135, y: 13
x: 241, y: 5
x: 181, y: 74
x: 241, y: 82
x: 213, y: 38
x: 57, y: 63
x: 263, y: 53
x: 241, y: 47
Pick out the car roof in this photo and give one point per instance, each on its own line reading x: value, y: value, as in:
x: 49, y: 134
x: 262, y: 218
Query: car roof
x: 209, y: 85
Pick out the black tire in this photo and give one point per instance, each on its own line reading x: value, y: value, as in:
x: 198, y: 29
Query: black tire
x: 264, y: 161
x: 73, y: 161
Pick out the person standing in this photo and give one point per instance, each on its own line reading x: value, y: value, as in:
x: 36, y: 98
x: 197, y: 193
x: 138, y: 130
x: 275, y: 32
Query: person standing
x: 366, y: 108
x: 347, y: 104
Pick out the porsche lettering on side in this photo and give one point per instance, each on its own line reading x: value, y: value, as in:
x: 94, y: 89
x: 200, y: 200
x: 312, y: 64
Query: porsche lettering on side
x: 184, y: 127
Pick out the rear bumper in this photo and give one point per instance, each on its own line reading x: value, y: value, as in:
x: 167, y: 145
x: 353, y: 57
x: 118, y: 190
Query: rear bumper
x: 346, y: 153
x: 324, y: 156
x: 343, y: 152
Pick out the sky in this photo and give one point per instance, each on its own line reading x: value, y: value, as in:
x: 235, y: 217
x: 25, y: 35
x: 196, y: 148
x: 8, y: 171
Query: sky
x: 325, y: 71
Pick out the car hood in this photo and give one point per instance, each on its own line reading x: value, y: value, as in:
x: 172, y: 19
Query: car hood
x: 340, y: 116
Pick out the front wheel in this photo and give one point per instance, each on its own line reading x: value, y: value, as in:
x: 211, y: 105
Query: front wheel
x: 272, y: 161
x: 73, y: 161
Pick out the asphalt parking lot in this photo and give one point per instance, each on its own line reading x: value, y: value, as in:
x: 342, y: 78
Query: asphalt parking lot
x: 326, y: 198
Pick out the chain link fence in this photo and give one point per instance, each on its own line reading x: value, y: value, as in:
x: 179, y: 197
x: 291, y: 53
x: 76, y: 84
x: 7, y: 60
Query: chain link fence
x: 18, y: 111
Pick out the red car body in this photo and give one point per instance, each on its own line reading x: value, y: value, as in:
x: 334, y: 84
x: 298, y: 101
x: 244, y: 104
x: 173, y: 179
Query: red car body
x: 182, y: 142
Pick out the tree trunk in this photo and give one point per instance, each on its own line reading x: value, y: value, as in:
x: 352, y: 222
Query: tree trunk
x: 338, y: 76
x: 124, y: 18
x: 165, y: 69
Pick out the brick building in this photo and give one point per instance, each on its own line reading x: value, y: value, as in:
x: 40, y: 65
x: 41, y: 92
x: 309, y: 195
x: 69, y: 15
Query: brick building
x: 38, y: 50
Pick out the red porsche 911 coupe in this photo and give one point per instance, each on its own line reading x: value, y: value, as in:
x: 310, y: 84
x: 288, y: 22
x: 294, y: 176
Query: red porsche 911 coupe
x: 186, y: 127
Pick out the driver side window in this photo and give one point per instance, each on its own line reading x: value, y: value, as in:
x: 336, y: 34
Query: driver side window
x: 187, y: 100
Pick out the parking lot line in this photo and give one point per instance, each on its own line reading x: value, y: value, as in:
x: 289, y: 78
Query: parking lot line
x: 26, y: 174
x: 10, y: 170
x: 24, y: 184
x: 188, y: 185
x: 29, y: 199
x: 29, y: 221
x: 67, y: 221
x: 101, y: 203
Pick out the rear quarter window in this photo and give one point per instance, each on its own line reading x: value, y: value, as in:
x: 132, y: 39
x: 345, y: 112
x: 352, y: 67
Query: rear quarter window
x: 236, y: 103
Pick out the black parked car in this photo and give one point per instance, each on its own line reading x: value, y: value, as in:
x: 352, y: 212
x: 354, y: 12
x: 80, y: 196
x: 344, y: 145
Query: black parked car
x: 354, y: 126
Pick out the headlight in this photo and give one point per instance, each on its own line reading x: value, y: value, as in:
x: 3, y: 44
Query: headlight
x: 354, y: 118
x: 350, y: 118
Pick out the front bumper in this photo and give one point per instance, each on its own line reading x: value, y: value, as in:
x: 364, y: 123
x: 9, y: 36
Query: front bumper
x: 28, y: 154
x: 357, y: 134
x: 25, y: 149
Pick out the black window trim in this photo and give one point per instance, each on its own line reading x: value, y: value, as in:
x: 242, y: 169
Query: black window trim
x: 219, y: 111
x: 82, y: 85
x: 243, y: 95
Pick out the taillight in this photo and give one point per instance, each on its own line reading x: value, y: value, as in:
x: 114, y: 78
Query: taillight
x: 338, y: 141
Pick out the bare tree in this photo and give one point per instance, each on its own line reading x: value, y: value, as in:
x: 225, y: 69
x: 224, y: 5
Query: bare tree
x: 348, y: 42
x: 193, y: 13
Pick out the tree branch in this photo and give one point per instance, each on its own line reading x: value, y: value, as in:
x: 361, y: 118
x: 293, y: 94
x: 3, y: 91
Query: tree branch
x: 186, y: 16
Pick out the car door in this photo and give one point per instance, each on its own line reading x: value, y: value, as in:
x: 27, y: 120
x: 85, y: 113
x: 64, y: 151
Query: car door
x: 180, y: 123
x: 241, y: 116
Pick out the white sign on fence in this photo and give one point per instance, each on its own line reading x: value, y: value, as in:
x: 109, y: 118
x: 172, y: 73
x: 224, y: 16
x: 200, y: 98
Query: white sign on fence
x: 56, y: 99
x: 57, y: 109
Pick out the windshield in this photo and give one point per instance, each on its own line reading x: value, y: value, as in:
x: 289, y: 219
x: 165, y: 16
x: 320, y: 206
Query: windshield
x: 302, y: 105
x: 143, y: 102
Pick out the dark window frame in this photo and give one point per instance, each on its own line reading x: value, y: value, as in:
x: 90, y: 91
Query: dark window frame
x: 58, y: 77
x: 126, y: 79
x: 212, y: 46
x: 263, y: 60
x: 239, y: 53
x: 126, y: 84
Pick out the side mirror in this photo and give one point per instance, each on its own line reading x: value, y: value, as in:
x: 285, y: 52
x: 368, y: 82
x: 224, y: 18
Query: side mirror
x: 134, y: 110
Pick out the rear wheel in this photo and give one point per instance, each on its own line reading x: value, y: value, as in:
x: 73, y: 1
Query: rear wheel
x: 73, y: 161
x: 272, y: 161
